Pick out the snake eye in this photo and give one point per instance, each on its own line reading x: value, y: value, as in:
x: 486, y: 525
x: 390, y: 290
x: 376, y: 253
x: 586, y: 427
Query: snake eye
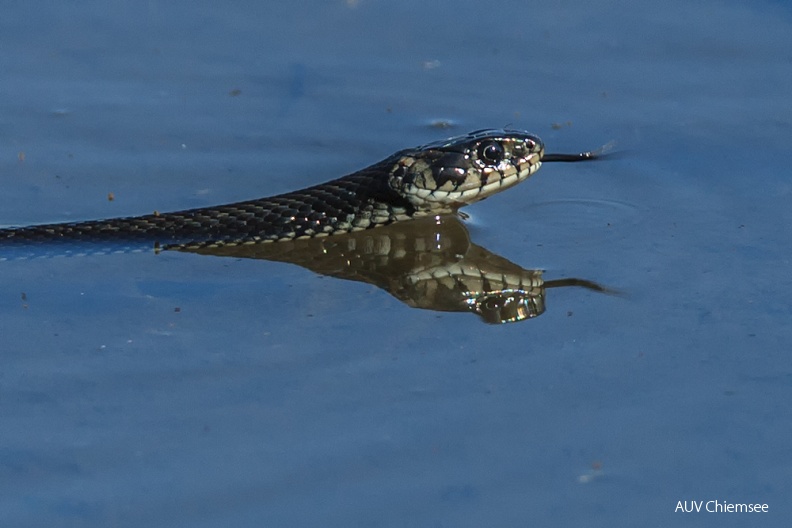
x: 491, y: 152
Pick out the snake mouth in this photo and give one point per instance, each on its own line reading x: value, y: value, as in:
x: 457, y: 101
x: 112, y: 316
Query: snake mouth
x: 509, y: 177
x: 503, y: 178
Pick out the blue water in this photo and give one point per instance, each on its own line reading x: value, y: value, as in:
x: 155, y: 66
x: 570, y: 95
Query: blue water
x: 185, y: 390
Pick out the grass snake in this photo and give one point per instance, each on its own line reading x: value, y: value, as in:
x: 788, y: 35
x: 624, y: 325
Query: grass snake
x: 434, y: 179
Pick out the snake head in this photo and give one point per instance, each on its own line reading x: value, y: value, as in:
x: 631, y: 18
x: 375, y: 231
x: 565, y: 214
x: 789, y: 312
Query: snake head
x: 449, y: 174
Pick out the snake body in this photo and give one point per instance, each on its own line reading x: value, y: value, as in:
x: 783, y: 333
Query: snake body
x: 432, y: 179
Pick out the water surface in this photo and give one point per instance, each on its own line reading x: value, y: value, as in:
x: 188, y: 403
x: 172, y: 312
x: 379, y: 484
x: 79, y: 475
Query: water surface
x: 190, y: 390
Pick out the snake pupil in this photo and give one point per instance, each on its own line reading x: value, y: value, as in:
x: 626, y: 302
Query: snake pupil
x: 491, y: 152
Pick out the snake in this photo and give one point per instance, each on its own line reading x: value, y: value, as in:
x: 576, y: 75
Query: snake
x: 430, y: 180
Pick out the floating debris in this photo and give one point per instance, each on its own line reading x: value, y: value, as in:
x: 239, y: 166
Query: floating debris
x: 430, y: 64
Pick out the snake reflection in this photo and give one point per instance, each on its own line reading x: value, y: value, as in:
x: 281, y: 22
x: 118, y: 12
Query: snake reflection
x: 429, y: 263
